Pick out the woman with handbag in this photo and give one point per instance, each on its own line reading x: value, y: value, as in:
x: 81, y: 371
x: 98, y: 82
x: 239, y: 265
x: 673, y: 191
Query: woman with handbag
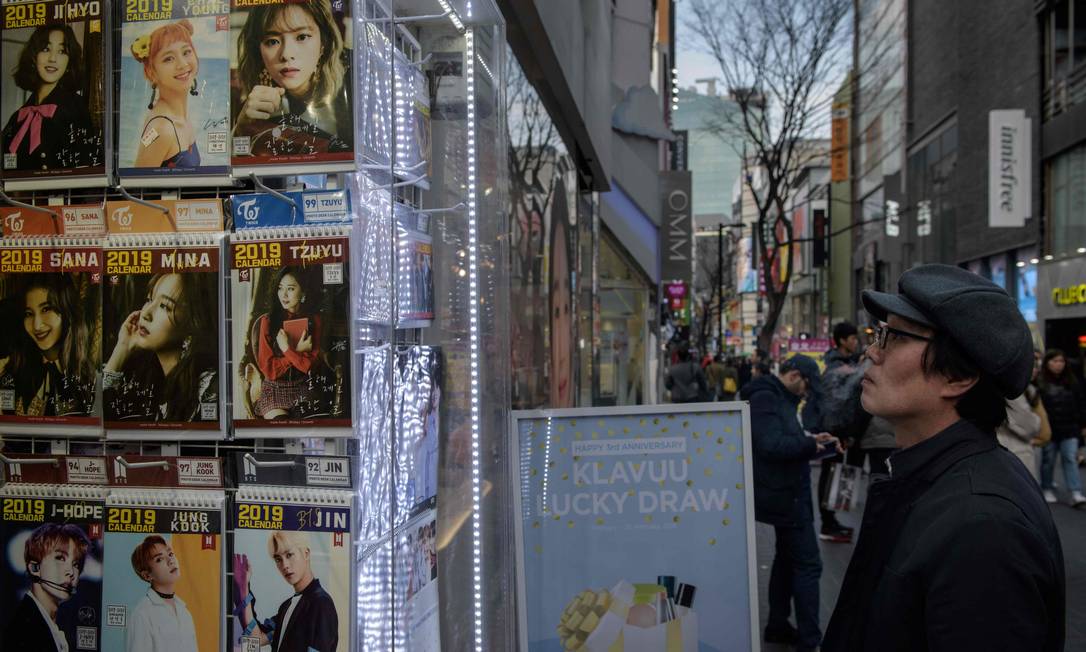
x: 1063, y: 400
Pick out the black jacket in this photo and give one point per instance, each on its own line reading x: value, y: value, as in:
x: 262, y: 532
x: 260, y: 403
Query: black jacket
x: 1066, y: 408
x: 314, y: 625
x: 957, y: 552
x: 782, y: 472
x: 838, y: 397
x: 27, y: 630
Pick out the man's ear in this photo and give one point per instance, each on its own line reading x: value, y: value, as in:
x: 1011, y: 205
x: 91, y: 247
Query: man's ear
x: 958, y: 388
x: 34, y: 568
x: 145, y: 576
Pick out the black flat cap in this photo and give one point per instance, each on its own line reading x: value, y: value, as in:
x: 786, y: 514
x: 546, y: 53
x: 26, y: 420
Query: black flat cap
x: 806, y: 367
x: 977, y: 314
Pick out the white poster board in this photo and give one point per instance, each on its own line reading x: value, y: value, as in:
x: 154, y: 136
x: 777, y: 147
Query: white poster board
x: 635, y: 529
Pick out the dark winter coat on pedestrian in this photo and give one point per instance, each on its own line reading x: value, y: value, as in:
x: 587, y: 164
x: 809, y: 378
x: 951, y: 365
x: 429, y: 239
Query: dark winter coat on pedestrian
x: 841, y: 413
x: 1066, y: 408
x: 745, y: 373
x: 834, y: 358
x: 782, y: 453
x: 687, y: 383
x: 957, y: 551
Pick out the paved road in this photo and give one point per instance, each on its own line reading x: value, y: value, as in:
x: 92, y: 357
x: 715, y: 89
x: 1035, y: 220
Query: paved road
x: 835, y: 556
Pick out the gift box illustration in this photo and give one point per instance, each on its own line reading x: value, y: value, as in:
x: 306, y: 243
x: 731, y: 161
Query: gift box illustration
x: 631, y: 618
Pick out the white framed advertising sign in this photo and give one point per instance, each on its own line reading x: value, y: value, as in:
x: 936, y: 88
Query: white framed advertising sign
x: 635, y: 529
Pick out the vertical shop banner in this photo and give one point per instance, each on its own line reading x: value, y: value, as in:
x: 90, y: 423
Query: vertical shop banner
x: 635, y: 529
x: 1010, y: 171
x: 677, y: 231
x: 51, y: 307
x: 839, y: 143
x: 52, y: 560
x: 52, y: 102
x: 174, y: 101
x: 292, y: 101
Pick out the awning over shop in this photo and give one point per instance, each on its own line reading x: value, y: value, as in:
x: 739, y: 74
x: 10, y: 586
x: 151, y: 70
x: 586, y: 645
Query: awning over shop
x: 635, y: 230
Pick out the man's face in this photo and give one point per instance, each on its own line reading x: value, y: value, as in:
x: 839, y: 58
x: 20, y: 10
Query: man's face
x: 60, y: 566
x: 164, y: 570
x: 851, y: 344
x: 895, y: 386
x: 293, y: 564
x: 794, y: 382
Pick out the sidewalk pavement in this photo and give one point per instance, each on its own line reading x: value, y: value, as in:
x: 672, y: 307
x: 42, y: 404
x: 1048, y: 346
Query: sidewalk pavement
x: 1071, y: 524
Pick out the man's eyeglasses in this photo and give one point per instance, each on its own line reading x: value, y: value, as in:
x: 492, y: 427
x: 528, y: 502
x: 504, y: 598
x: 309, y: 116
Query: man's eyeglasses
x: 883, y: 332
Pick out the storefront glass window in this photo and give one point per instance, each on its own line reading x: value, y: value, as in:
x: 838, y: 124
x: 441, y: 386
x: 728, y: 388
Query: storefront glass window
x: 624, y: 298
x: 1067, y: 201
x: 1026, y: 283
x: 543, y: 210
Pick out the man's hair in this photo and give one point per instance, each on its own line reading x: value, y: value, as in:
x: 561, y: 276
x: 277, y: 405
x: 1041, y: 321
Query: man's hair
x: 983, y: 405
x: 842, y: 331
x: 285, y: 540
x: 144, y: 554
x: 684, y: 354
x: 47, y: 537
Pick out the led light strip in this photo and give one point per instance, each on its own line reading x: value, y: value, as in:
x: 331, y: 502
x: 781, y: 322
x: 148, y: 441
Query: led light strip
x: 473, y: 312
x: 453, y: 16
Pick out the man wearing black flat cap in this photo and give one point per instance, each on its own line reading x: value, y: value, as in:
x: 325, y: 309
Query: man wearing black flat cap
x: 957, y: 549
x: 782, y: 496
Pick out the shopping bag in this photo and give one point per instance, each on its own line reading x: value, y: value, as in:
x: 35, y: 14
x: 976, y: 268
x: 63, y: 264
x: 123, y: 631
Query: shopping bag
x: 846, y: 489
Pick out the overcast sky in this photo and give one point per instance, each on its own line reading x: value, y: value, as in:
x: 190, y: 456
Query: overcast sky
x: 693, y: 63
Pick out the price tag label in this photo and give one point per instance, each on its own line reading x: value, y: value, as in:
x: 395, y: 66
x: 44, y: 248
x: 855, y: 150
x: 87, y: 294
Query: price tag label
x: 324, y: 207
x: 194, y: 472
x: 86, y: 470
x: 333, y: 274
x: 328, y: 472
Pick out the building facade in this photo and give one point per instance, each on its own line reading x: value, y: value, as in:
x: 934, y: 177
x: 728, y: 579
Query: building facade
x: 587, y: 136
x: 934, y: 84
x: 1057, y: 280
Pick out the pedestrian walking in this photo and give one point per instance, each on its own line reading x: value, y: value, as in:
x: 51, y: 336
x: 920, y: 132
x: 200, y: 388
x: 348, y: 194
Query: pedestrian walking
x: 1063, y: 398
x: 745, y: 368
x: 782, y: 497
x: 957, y: 550
x: 842, y: 360
x: 714, y: 376
x: 730, y: 385
x: 686, y: 381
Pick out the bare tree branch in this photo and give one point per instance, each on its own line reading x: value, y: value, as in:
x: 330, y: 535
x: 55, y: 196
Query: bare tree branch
x: 778, y: 60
